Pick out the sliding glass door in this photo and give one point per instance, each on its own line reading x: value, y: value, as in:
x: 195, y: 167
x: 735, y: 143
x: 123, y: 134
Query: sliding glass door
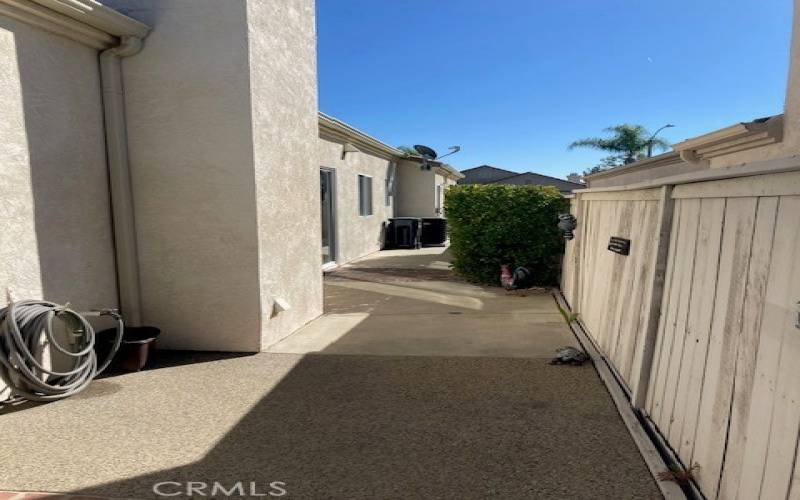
x: 327, y: 199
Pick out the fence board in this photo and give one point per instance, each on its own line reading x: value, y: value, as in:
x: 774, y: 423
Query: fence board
x: 616, y: 292
x: 612, y: 286
x: 654, y: 272
x: 704, y: 284
x: 739, y: 432
x: 684, y: 271
x: 783, y: 292
x: 687, y: 228
x: 663, y: 342
x: 794, y: 488
x: 726, y: 324
x: 631, y: 312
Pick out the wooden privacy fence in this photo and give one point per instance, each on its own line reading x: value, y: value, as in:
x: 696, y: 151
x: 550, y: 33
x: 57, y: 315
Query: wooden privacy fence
x: 700, y: 319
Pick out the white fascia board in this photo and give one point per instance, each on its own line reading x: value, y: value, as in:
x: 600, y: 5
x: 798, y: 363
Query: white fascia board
x: 733, y: 139
x: 98, y: 16
x: 448, y: 171
x: 670, y: 158
x: 762, y: 167
x: 337, y: 129
x: 85, y: 21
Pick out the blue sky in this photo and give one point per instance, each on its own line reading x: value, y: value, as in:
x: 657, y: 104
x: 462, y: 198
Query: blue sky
x: 513, y: 82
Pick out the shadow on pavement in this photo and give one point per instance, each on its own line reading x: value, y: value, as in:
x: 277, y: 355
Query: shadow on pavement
x: 423, y: 427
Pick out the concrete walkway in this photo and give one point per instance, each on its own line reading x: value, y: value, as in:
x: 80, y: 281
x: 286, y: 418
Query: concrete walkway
x: 413, y: 385
x: 408, y: 303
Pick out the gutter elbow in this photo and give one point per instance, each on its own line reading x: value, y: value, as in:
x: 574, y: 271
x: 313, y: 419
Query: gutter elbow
x: 129, y: 45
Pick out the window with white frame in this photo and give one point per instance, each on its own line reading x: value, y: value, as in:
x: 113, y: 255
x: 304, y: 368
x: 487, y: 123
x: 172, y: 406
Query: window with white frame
x: 364, y: 195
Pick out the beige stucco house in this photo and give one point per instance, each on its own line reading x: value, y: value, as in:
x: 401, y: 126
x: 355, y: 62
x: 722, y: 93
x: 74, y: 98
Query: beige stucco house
x: 414, y: 180
x: 356, y: 168
x: 167, y: 157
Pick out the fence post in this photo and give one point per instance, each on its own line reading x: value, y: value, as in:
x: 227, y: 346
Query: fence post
x: 575, y: 259
x: 643, y: 357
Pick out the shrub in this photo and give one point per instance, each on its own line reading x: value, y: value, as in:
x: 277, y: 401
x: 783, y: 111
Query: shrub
x: 495, y: 224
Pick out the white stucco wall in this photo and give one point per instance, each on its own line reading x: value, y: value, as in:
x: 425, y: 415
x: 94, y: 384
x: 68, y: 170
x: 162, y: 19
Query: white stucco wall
x: 283, y: 86
x: 415, y: 190
x: 356, y: 235
x: 222, y: 121
x: 191, y: 151
x: 55, y: 241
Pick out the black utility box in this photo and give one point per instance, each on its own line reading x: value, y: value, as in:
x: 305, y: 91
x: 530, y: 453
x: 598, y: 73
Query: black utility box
x: 434, y: 231
x: 404, y: 232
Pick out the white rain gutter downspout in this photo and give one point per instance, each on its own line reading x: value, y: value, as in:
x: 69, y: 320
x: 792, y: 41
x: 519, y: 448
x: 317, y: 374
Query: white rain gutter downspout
x: 119, y: 174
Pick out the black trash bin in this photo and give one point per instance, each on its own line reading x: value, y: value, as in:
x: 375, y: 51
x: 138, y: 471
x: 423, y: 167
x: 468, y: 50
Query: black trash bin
x: 404, y: 232
x: 434, y: 231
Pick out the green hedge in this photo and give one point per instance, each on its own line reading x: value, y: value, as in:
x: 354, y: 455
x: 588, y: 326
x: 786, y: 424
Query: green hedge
x: 495, y: 224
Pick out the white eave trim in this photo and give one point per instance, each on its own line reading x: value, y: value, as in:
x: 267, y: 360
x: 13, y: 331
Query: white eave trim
x: 671, y: 158
x: 337, y: 130
x: 450, y: 172
x: 739, y: 137
x: 763, y: 167
x: 700, y: 149
x: 331, y: 128
x: 85, y: 21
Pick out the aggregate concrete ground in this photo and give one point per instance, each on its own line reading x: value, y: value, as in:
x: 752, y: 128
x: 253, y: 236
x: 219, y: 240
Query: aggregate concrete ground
x: 413, y: 385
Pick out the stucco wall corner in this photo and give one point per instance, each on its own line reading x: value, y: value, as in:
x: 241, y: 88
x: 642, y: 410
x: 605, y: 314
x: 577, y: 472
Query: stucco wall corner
x: 283, y: 90
x: 191, y: 153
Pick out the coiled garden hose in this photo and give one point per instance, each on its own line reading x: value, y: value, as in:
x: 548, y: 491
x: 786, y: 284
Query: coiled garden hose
x: 23, y: 327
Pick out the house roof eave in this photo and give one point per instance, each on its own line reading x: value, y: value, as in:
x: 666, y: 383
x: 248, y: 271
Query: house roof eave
x: 336, y: 129
x: 85, y: 21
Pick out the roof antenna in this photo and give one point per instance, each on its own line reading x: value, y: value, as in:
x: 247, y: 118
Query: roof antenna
x: 453, y: 150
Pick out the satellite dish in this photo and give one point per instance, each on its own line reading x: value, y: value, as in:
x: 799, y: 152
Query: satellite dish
x: 425, y: 152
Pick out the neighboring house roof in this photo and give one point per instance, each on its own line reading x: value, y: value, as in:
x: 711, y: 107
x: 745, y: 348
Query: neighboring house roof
x: 487, y: 174
x: 531, y: 178
x: 488, y: 167
x: 484, y: 174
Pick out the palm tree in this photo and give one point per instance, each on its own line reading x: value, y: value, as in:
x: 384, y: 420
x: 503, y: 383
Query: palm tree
x: 628, y: 141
